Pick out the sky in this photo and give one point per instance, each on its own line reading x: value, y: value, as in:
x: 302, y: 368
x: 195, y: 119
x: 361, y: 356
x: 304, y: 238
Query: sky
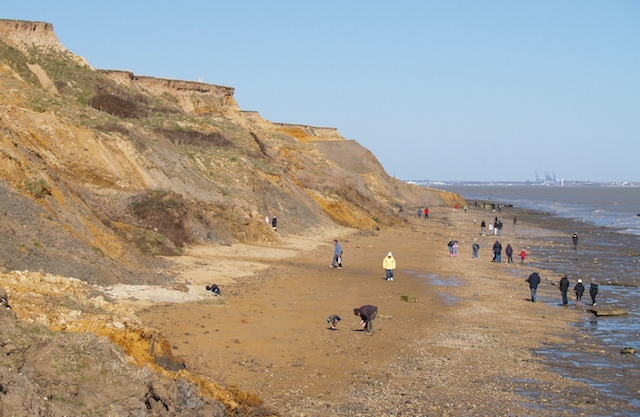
x: 461, y: 90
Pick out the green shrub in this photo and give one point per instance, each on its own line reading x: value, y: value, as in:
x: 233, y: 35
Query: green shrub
x: 117, y: 106
x: 37, y: 187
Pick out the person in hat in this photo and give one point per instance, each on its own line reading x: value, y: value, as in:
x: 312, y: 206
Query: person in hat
x: 389, y: 264
x: 579, y: 289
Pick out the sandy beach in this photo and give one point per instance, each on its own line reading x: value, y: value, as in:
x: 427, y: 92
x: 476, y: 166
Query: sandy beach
x: 464, y: 347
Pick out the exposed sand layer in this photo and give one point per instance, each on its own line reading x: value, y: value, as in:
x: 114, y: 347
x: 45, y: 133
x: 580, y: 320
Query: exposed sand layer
x: 463, y: 348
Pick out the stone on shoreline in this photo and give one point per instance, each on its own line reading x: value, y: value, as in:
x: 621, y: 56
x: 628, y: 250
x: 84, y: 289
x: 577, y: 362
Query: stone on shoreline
x: 609, y: 312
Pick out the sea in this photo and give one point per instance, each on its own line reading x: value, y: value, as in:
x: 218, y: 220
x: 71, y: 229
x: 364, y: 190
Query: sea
x: 607, y: 221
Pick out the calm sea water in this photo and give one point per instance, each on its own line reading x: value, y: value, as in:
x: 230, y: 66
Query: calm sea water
x: 607, y: 222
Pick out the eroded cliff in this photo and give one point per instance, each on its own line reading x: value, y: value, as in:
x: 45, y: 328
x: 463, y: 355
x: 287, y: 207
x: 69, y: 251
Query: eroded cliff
x: 103, y: 170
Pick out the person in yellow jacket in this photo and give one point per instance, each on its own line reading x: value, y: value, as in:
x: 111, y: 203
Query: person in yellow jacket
x: 389, y: 264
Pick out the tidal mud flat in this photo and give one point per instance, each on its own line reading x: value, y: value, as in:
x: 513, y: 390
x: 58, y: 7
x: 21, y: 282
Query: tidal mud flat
x: 467, y: 345
x: 610, y: 258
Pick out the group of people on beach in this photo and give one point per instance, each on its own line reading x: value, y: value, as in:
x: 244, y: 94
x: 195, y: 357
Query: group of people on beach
x: 495, y: 228
x: 534, y: 281
x: 579, y: 290
x: 424, y: 212
x: 367, y: 313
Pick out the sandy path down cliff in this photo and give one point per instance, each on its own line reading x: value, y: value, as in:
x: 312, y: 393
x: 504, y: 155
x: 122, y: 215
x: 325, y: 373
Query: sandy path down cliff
x: 220, y: 264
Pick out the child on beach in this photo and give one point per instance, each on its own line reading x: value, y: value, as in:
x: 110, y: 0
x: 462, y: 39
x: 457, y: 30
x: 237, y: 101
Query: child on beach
x: 579, y: 289
x: 333, y: 321
x: 523, y: 255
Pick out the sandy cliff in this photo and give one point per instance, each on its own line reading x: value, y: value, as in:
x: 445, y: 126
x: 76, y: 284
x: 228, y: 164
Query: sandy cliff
x: 104, y: 173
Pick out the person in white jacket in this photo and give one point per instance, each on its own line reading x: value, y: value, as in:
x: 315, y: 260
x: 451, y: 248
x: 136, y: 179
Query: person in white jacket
x: 389, y: 264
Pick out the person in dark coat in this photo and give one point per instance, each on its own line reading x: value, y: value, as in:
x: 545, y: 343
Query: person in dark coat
x: 367, y: 313
x: 564, y: 287
x: 593, y: 291
x: 579, y: 289
x: 476, y: 250
x: 574, y: 238
x: 497, y: 252
x: 483, y: 225
x: 274, y: 224
x: 534, y: 281
x: 509, y: 251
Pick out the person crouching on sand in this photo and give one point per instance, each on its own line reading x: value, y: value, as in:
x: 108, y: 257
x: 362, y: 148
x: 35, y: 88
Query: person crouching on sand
x: 367, y: 313
x: 333, y: 321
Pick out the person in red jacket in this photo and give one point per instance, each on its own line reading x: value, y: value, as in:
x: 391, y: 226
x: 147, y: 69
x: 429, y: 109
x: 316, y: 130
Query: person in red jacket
x: 523, y: 255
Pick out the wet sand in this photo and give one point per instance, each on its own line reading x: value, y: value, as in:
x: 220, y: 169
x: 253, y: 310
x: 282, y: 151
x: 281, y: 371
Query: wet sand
x: 463, y: 348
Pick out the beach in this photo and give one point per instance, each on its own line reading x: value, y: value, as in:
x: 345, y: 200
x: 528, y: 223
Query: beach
x: 465, y: 346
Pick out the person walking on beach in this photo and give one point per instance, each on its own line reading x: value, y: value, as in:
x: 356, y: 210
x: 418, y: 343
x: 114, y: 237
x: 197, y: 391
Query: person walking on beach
x: 579, y: 289
x: 389, y: 264
x: 574, y: 238
x: 476, y: 250
x: 515, y: 220
x: 523, y: 254
x: 499, y: 227
x: 564, y: 287
x: 483, y: 225
x: 509, y: 252
x: 426, y: 213
x: 367, y: 313
x: 593, y: 291
x: 337, y: 255
x: 497, y: 252
x: 274, y: 224
x: 419, y: 213
x: 534, y: 281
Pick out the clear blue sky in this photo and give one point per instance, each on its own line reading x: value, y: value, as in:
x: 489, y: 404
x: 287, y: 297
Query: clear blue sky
x: 438, y: 90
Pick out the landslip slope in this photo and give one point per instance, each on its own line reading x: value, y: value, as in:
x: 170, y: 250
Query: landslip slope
x: 103, y: 171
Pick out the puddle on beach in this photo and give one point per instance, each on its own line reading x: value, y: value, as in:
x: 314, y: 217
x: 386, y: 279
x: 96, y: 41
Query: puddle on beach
x: 434, y: 279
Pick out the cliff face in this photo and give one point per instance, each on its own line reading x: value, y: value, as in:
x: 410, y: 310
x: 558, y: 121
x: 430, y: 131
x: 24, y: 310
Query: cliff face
x: 100, y: 172
x: 121, y: 166
x: 193, y: 97
x: 25, y: 35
